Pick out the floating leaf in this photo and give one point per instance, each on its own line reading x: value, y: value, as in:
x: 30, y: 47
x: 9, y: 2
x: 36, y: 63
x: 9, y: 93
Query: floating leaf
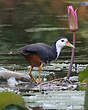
x: 14, y: 107
x: 86, y: 97
x: 8, y: 98
x: 83, y: 75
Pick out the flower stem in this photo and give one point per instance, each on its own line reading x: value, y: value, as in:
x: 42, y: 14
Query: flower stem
x: 72, y: 57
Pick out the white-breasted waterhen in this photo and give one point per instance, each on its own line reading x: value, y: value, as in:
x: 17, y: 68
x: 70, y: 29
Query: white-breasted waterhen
x: 39, y: 54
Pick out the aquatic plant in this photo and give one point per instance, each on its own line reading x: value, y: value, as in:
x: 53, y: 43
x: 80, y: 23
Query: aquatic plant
x: 8, y: 98
x: 73, y: 26
x: 72, y: 19
x: 83, y: 75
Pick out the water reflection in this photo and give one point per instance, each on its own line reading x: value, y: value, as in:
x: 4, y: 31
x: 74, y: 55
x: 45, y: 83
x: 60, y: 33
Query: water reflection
x: 23, y: 22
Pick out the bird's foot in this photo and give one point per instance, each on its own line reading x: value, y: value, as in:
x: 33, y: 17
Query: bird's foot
x: 38, y: 81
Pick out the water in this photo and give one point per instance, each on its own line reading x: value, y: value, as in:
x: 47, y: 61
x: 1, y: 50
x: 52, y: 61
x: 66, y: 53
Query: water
x: 60, y: 100
x: 23, y: 22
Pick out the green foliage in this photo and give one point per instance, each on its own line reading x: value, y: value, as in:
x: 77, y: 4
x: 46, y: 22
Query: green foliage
x: 8, y: 98
x: 81, y: 88
x: 83, y: 75
x: 86, y: 97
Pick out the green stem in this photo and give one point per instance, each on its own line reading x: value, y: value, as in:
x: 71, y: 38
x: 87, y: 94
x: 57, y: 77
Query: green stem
x: 72, y: 57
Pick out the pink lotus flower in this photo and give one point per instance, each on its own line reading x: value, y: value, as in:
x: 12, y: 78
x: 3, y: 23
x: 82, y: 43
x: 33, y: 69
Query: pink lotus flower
x: 72, y: 18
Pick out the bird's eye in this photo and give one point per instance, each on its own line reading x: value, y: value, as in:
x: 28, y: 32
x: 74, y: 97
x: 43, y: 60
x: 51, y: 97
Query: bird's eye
x: 62, y: 40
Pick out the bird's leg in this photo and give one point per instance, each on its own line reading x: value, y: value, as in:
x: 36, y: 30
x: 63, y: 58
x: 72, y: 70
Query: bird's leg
x: 30, y: 73
x: 40, y: 68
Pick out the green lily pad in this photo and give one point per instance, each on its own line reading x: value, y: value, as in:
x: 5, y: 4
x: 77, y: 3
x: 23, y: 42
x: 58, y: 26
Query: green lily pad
x: 83, y: 75
x: 14, y: 107
x: 8, y: 98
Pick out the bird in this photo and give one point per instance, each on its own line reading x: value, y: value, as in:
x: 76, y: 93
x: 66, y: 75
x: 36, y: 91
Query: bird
x: 39, y: 54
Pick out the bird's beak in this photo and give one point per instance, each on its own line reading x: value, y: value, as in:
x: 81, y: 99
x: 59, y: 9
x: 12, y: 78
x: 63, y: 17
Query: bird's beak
x: 69, y: 44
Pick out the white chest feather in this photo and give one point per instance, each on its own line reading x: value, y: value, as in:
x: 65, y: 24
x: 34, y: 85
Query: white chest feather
x: 58, y: 49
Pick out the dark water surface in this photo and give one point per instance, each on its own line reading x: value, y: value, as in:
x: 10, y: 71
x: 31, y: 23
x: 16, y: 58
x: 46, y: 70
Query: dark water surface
x: 29, y: 21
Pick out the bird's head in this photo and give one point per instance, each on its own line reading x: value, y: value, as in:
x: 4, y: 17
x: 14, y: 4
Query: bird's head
x: 61, y: 42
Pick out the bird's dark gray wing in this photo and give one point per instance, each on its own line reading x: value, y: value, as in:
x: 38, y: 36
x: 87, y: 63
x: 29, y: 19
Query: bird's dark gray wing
x: 44, y: 51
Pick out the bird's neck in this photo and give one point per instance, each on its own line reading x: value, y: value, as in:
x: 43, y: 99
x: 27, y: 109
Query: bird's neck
x: 56, y: 50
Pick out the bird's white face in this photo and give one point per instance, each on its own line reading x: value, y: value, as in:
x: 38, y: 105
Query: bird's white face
x: 61, y: 43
